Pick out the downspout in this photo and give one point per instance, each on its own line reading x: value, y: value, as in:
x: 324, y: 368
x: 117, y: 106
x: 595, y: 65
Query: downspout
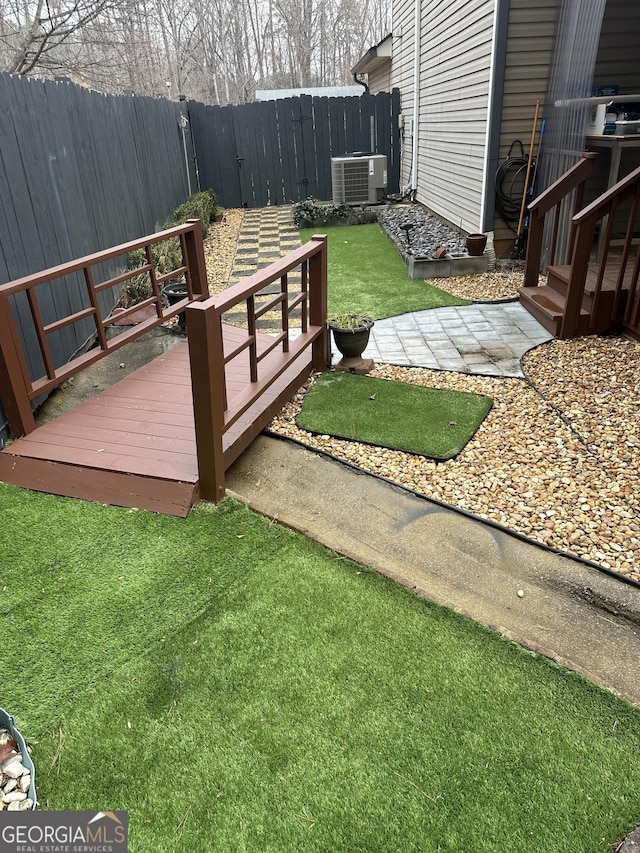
x: 494, y: 113
x: 360, y: 82
x: 413, y: 180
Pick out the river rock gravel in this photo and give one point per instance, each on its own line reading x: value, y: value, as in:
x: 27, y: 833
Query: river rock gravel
x: 220, y: 249
x: 556, y: 458
x: 415, y: 231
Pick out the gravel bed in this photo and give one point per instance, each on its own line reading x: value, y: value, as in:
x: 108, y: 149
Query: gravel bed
x: 220, y: 249
x: 555, y: 459
x: 544, y: 465
x: 426, y: 232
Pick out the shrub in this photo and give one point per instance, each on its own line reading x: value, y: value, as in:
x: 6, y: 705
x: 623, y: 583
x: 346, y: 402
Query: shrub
x: 310, y: 213
x: 135, y: 290
x: 167, y: 255
x: 200, y: 206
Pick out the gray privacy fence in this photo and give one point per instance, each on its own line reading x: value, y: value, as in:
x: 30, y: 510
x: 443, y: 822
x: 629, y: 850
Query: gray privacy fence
x: 276, y: 152
x: 79, y: 172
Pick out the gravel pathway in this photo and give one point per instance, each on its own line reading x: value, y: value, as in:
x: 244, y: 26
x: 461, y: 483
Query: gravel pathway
x: 556, y: 458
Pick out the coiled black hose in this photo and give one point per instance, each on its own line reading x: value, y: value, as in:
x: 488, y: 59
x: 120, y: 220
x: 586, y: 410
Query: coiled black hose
x: 509, y: 175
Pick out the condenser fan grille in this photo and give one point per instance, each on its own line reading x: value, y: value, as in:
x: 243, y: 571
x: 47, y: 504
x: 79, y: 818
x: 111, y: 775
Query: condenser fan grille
x: 358, y: 180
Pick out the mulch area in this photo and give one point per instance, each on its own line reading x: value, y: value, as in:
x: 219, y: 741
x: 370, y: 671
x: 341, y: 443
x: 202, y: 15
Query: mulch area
x: 555, y: 459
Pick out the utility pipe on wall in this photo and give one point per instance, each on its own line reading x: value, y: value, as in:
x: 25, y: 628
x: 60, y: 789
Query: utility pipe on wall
x: 413, y: 182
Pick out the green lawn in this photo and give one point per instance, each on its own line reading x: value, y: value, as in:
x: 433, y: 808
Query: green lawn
x: 367, y: 275
x: 236, y: 687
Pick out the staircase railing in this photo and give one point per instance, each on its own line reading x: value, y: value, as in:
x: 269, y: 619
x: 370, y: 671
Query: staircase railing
x: 551, y: 200
x: 583, y: 228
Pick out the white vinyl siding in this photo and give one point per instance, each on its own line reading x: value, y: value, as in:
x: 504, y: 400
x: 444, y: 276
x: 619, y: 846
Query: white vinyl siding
x: 454, y: 74
x: 527, y: 64
x: 402, y: 75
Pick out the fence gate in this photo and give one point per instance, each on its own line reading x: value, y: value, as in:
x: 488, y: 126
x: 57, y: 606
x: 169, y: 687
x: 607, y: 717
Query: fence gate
x: 278, y: 152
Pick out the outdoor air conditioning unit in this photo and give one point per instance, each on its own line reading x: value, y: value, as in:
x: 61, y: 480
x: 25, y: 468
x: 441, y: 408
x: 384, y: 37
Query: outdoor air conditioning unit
x: 359, y: 179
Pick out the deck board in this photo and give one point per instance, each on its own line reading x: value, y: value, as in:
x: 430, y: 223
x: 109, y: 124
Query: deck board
x: 134, y: 443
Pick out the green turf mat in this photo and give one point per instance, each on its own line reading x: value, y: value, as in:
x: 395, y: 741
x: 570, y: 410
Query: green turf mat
x: 420, y: 420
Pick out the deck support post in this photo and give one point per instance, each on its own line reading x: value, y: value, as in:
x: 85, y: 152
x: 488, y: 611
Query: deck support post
x: 206, y: 356
x: 320, y: 349
x: 13, y: 370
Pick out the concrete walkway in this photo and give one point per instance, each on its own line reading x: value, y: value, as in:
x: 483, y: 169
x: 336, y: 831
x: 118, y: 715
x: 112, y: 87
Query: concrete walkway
x: 568, y: 611
x: 488, y: 339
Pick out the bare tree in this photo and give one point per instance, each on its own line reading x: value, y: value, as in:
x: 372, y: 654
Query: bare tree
x: 32, y: 33
x: 218, y: 51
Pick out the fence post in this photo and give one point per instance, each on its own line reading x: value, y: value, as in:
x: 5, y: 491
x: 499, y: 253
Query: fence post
x: 206, y: 357
x: 320, y: 353
x: 13, y: 373
x: 194, y: 249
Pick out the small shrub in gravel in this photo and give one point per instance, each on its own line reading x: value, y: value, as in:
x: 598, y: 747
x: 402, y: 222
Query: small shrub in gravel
x: 200, y: 206
x: 311, y: 214
x: 314, y: 214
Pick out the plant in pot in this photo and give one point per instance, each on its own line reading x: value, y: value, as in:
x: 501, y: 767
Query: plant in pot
x: 175, y: 292
x: 351, y: 335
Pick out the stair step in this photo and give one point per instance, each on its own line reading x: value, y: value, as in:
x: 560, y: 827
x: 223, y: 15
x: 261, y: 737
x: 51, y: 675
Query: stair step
x: 558, y: 279
x: 547, y: 306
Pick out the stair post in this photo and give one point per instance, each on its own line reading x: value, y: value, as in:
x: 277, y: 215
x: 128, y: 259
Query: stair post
x: 577, y: 277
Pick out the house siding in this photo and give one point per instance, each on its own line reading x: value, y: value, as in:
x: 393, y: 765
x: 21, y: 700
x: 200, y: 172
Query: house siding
x: 455, y: 78
x: 456, y: 40
x: 402, y: 77
x: 380, y: 79
x: 527, y: 63
x: 617, y: 60
x: 617, y: 63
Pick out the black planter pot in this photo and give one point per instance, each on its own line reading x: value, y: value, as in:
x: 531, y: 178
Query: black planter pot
x: 176, y: 293
x: 351, y: 343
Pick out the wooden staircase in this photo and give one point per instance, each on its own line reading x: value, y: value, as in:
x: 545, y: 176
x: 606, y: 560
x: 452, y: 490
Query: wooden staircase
x: 547, y: 303
x: 587, y: 294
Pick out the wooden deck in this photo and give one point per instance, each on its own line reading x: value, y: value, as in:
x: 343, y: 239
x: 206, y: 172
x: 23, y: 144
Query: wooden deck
x: 134, y: 444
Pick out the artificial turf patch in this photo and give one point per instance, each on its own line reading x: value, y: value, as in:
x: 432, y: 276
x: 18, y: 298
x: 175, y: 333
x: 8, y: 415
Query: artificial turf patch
x: 366, y: 274
x: 236, y: 687
x: 427, y: 421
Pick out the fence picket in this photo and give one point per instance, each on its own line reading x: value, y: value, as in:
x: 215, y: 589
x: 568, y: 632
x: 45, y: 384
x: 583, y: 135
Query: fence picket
x: 286, y: 145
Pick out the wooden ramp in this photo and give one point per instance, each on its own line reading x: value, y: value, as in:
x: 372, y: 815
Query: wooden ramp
x: 134, y: 444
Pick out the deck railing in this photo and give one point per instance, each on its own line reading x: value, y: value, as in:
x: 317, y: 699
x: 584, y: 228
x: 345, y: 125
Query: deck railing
x: 552, y: 199
x: 215, y: 412
x: 18, y: 389
x: 584, y: 223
